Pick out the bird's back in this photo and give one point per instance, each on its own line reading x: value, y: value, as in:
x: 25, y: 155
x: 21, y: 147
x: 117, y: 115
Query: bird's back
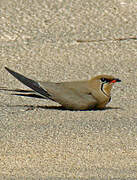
x: 72, y: 95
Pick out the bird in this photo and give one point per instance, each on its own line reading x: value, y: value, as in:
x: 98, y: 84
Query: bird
x: 94, y: 93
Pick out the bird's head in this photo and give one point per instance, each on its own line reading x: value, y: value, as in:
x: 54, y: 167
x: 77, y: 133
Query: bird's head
x: 105, y: 83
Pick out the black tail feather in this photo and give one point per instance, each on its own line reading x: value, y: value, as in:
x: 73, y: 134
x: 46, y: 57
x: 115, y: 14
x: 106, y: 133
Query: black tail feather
x: 30, y: 83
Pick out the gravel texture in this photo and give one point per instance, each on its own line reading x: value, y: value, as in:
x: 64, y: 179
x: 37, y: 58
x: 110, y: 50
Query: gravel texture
x: 63, y: 41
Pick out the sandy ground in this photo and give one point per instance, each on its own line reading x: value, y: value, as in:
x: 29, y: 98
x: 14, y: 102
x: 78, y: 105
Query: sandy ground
x: 40, y: 40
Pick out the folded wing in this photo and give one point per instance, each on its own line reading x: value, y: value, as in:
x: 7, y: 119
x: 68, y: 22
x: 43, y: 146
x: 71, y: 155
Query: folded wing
x: 72, y: 95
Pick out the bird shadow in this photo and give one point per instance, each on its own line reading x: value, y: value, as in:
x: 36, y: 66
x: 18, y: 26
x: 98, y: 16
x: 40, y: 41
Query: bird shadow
x: 32, y: 94
x: 58, y: 108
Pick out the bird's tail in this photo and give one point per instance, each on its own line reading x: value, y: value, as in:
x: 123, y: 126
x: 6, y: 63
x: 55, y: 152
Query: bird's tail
x: 30, y: 83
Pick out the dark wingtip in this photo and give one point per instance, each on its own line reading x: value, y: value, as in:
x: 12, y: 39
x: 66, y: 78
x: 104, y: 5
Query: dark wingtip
x: 7, y: 69
x: 30, y: 83
x: 12, y: 72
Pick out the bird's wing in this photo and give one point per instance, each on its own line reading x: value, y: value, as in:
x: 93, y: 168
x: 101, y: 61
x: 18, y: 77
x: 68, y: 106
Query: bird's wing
x: 73, y: 95
x: 29, y: 82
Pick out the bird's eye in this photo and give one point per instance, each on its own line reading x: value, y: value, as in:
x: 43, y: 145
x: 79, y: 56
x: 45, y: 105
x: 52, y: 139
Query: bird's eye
x: 104, y: 80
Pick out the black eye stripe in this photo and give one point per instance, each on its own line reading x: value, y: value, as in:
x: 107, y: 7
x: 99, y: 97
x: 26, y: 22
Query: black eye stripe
x: 104, y: 80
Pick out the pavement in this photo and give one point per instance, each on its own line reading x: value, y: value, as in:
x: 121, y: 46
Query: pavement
x: 63, y: 41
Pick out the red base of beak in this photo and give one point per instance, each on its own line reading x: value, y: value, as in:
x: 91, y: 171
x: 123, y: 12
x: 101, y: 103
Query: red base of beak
x: 113, y: 81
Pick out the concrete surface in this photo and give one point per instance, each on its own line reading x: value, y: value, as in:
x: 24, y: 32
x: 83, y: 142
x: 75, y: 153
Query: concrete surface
x: 43, y: 40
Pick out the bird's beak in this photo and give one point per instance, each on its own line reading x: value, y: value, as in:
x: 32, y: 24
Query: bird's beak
x: 115, y: 80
